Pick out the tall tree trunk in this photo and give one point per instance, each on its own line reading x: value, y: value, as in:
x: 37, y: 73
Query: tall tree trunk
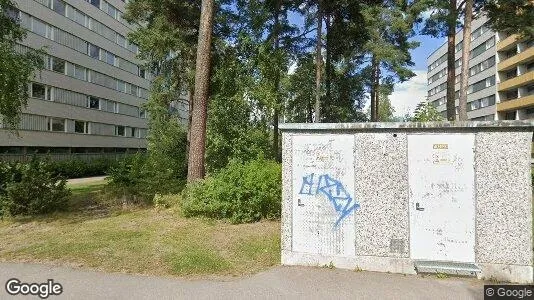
x: 376, y: 87
x: 196, y: 162
x: 374, y: 91
x: 328, y: 75
x: 462, y: 105
x: 189, y: 118
x: 318, y: 63
x: 276, y: 114
x: 451, y: 72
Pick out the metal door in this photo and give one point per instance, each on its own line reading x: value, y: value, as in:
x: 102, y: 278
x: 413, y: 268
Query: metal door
x: 323, y: 190
x: 442, y: 207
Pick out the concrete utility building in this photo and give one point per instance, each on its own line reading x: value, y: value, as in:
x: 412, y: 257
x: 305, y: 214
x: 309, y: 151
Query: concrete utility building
x: 501, y: 75
x: 89, y: 97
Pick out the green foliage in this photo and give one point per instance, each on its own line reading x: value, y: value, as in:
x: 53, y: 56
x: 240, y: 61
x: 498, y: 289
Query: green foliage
x: 512, y: 16
x: 426, y: 112
x: 31, y: 189
x: 240, y: 192
x: 16, y: 69
x: 77, y: 168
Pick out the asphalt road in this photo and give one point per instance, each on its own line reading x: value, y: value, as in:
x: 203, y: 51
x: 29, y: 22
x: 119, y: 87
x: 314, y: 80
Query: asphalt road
x: 276, y: 283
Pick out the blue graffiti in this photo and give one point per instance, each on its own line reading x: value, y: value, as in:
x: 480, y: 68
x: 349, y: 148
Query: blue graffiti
x: 334, y: 190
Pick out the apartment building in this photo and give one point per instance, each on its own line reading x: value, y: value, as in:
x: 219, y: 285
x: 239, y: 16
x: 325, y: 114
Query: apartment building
x: 89, y: 97
x: 482, y: 87
x: 515, y: 73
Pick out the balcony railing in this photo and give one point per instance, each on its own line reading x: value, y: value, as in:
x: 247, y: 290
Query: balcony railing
x: 516, y: 59
x: 516, y: 103
x: 516, y: 82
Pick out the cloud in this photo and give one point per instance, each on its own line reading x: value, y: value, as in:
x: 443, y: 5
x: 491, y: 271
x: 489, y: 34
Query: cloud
x: 408, y: 94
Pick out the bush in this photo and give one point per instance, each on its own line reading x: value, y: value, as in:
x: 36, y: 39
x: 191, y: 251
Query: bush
x: 31, y: 189
x: 139, y: 179
x: 241, y: 192
x: 76, y: 168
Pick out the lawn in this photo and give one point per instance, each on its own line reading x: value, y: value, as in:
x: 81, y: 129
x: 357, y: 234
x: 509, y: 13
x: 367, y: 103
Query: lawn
x: 139, y: 240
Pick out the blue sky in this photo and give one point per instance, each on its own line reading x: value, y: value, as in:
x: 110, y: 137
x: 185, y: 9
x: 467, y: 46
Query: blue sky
x: 408, y: 94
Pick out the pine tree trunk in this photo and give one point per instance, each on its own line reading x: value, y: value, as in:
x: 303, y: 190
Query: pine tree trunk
x: 376, y: 87
x: 328, y: 75
x: 276, y: 114
x: 374, y: 91
x: 451, y: 72
x: 462, y: 105
x: 318, y: 64
x: 189, y: 118
x: 196, y: 161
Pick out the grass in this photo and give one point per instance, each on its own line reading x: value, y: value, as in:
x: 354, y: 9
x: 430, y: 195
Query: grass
x: 139, y: 240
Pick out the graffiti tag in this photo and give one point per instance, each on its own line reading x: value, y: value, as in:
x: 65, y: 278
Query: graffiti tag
x: 334, y: 190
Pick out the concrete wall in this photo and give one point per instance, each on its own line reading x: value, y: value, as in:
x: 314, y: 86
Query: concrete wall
x: 358, y: 173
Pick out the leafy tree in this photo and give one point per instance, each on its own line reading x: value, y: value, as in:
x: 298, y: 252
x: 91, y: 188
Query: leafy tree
x: 16, y: 69
x: 389, y: 25
x: 426, y: 112
x: 385, y: 110
x: 443, y: 22
x: 511, y: 16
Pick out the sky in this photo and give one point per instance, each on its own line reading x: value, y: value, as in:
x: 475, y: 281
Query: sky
x: 408, y: 94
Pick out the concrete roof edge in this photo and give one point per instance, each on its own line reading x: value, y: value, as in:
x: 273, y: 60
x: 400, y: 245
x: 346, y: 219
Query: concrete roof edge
x: 519, y: 124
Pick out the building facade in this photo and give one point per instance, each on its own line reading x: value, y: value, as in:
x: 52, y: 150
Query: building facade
x: 501, y: 75
x: 89, y: 97
x: 482, y: 89
x: 515, y: 73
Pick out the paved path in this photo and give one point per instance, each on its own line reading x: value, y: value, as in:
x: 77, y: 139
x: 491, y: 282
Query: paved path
x: 86, y: 180
x: 276, y: 283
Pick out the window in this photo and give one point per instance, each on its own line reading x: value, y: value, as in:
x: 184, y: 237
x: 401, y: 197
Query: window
x: 95, y: 3
x: 94, y: 103
x: 112, y: 11
x: 93, y: 51
x: 49, y: 93
x: 59, y: 7
x: 80, y: 127
x: 39, y: 27
x: 142, y: 113
x: 79, y: 17
x: 142, y: 73
x: 58, y: 65
x: 110, y: 58
x: 79, y: 72
x: 119, y: 130
x: 38, y: 91
x: 133, y: 132
x: 121, y: 86
x: 55, y: 124
x: 121, y: 41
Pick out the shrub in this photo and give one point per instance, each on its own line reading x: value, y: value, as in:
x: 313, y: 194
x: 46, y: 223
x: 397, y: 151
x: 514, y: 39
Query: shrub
x: 139, y: 178
x: 241, y: 192
x: 31, y: 189
x: 76, y: 168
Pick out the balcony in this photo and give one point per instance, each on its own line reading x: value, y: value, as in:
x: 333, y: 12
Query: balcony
x: 516, y: 82
x: 507, y: 42
x: 513, y: 61
x: 515, y: 103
